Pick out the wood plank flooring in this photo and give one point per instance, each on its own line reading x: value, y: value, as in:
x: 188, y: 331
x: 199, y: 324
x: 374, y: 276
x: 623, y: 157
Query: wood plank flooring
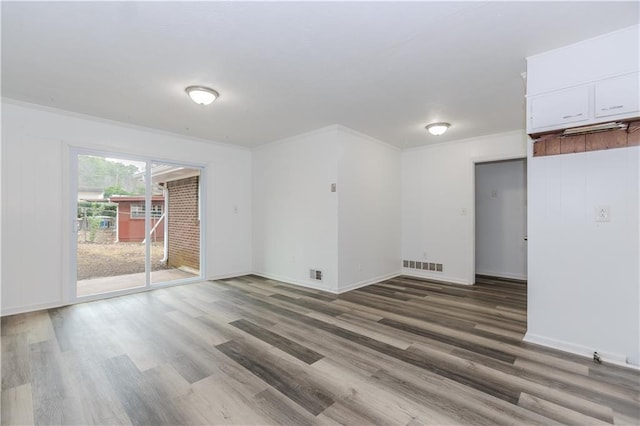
x: 249, y: 351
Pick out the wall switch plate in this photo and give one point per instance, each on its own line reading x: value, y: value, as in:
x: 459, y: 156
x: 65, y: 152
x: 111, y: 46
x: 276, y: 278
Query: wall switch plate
x: 333, y: 187
x: 603, y: 213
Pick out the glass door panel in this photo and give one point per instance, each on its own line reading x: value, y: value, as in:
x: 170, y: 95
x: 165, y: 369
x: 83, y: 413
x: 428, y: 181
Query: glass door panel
x: 110, y: 248
x: 175, y: 223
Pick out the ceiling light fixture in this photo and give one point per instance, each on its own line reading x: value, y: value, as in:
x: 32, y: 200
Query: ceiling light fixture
x: 437, y: 129
x: 202, y: 95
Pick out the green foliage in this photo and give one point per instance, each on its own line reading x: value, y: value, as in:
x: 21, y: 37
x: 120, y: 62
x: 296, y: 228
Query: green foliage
x: 93, y: 214
x: 90, y: 209
x: 100, y: 173
x: 94, y: 220
x: 116, y: 190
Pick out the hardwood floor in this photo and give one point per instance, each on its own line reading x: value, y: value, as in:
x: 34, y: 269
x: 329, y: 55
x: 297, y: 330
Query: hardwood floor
x: 254, y: 351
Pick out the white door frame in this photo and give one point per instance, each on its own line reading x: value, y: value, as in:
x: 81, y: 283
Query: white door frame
x: 70, y: 174
x: 474, y: 161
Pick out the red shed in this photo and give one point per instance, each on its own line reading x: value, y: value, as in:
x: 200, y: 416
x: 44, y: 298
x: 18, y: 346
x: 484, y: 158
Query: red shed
x: 131, y: 211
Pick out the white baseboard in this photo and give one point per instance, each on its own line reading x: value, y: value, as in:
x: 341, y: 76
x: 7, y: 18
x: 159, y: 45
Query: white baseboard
x: 333, y: 290
x: 31, y: 308
x: 576, y: 349
x: 503, y: 275
x: 367, y: 282
x: 225, y: 276
x: 288, y: 280
x: 434, y: 276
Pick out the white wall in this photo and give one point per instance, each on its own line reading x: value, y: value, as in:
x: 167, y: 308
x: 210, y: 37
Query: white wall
x: 36, y: 213
x: 501, y: 219
x: 352, y: 235
x: 295, y: 216
x: 368, y: 210
x: 438, y: 198
x: 584, y: 276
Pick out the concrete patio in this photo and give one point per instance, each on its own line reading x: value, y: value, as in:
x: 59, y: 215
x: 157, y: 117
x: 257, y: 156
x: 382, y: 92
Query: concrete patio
x: 122, y: 282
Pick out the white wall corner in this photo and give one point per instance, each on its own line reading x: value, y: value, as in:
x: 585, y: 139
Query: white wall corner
x: 351, y: 131
x: 364, y: 283
x: 327, y: 129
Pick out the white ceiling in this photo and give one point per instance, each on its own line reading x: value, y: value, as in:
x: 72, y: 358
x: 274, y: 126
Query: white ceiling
x: 385, y: 69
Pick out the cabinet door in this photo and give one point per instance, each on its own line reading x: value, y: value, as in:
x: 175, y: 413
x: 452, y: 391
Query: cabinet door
x: 559, y: 108
x: 619, y: 95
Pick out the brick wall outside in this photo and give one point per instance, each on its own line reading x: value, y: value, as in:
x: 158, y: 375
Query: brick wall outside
x: 184, y: 226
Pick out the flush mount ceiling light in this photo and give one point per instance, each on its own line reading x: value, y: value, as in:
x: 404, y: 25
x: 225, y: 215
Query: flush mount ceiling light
x: 437, y: 129
x: 202, y: 95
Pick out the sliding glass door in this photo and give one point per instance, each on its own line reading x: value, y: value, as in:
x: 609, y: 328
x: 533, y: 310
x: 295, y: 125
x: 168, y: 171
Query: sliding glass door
x: 177, y: 222
x: 136, y: 223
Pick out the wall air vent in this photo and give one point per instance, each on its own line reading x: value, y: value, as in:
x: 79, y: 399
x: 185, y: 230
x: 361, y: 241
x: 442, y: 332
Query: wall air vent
x: 595, y: 128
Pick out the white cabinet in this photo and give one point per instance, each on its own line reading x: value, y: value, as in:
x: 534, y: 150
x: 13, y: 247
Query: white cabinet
x: 590, y: 82
x: 617, y: 95
x: 559, y: 108
x: 611, y: 99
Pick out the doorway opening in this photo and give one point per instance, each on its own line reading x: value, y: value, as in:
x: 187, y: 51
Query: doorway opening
x: 137, y: 224
x: 501, y: 220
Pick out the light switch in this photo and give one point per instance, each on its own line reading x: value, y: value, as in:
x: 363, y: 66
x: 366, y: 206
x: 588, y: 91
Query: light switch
x: 603, y: 213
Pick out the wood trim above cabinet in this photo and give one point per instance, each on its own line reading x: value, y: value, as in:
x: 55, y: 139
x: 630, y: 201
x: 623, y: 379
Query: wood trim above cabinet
x: 633, y: 134
x: 606, y: 140
x: 554, y: 144
x: 539, y: 148
x: 572, y: 144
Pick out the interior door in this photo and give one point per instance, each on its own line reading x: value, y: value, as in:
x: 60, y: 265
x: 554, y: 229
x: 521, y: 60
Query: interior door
x: 501, y: 219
